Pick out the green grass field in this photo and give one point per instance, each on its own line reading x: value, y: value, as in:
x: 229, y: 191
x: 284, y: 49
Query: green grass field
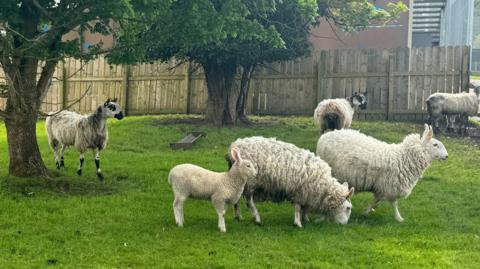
x: 127, y: 221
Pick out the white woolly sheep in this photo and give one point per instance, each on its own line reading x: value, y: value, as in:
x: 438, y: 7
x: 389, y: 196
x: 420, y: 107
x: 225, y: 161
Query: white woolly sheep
x: 332, y: 114
x: 449, y: 104
x: 189, y: 180
x: 67, y: 128
x: 296, y: 174
x: 390, y: 171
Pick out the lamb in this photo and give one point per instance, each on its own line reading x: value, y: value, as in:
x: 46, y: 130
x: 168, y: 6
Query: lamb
x: 338, y: 113
x: 449, y: 104
x: 390, y: 171
x: 67, y: 128
x: 189, y: 180
x: 297, y: 175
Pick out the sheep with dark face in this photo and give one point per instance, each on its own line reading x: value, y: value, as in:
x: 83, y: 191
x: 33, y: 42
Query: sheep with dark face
x: 67, y: 128
x: 332, y: 114
x: 450, y: 105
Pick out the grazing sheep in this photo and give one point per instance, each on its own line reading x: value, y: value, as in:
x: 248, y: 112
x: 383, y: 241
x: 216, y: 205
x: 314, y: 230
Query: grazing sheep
x: 189, y: 180
x: 67, y: 128
x: 451, y: 104
x: 296, y: 174
x: 332, y: 114
x: 390, y: 171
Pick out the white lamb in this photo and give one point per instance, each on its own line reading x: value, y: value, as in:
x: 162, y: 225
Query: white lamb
x: 296, y: 174
x: 332, y: 114
x: 189, y: 180
x: 448, y: 104
x: 67, y: 128
x: 390, y: 171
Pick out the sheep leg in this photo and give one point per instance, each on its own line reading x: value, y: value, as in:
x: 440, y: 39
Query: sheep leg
x: 298, y: 216
x: 82, y: 158
x: 237, y: 211
x: 178, y: 209
x: 62, y: 153
x: 219, y: 205
x: 372, y: 206
x: 97, y: 164
x: 55, y: 153
x: 398, y: 217
x: 305, y: 215
x: 253, y: 208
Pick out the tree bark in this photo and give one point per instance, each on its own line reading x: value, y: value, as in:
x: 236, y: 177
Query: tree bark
x: 222, y: 97
x: 243, y: 95
x: 24, y: 99
x: 23, y: 150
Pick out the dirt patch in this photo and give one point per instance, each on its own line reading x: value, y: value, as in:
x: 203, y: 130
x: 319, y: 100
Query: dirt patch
x: 198, y: 121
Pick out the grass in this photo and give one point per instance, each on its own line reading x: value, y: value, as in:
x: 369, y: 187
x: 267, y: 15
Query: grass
x: 474, y: 77
x: 127, y: 221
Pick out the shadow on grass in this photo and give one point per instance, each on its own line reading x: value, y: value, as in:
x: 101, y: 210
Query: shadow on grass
x: 200, y: 121
x: 61, y: 185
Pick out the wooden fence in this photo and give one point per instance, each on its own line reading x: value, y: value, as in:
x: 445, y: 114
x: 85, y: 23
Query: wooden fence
x: 397, y: 81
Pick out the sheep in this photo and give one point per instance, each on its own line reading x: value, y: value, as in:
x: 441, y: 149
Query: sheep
x: 451, y: 104
x: 390, y: 171
x: 67, y: 128
x: 332, y: 114
x: 297, y: 175
x: 189, y: 180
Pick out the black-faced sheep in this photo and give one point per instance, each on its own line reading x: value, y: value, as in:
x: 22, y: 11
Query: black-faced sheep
x: 450, y: 105
x: 67, y: 128
x: 332, y: 114
x: 390, y: 171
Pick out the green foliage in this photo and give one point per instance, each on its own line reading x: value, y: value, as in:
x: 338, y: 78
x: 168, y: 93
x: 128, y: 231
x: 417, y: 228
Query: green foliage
x: 127, y: 221
x: 35, y: 28
x: 243, y: 32
x: 354, y: 15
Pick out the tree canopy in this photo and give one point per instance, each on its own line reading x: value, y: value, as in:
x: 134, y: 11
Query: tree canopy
x: 222, y: 35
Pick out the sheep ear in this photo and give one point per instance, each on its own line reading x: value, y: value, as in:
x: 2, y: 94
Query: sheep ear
x: 345, y: 184
x: 427, y: 134
x: 106, y: 102
x: 235, y: 154
x: 115, y: 100
x: 350, y: 193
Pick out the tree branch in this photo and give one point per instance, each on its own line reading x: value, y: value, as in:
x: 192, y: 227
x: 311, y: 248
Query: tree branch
x: 76, y: 101
x: 45, y: 78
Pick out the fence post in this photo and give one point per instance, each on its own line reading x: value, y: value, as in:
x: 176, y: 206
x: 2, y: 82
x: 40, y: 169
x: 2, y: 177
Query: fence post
x: 126, y: 87
x: 390, y: 88
x: 188, y: 80
x: 320, y: 76
x: 465, y: 69
x: 64, y: 86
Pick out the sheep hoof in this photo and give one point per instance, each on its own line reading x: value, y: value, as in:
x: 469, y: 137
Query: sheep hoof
x: 399, y: 219
x: 62, y: 164
x: 223, y: 230
x: 79, y: 172
x: 239, y: 218
x: 57, y: 165
x: 299, y: 225
x: 100, y: 176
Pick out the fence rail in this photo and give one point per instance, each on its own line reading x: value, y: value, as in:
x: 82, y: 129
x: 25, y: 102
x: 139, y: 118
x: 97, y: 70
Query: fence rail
x: 397, y: 81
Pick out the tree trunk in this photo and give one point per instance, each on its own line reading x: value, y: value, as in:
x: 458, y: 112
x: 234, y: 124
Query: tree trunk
x: 24, y: 99
x: 222, y: 97
x: 24, y: 154
x: 243, y: 95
